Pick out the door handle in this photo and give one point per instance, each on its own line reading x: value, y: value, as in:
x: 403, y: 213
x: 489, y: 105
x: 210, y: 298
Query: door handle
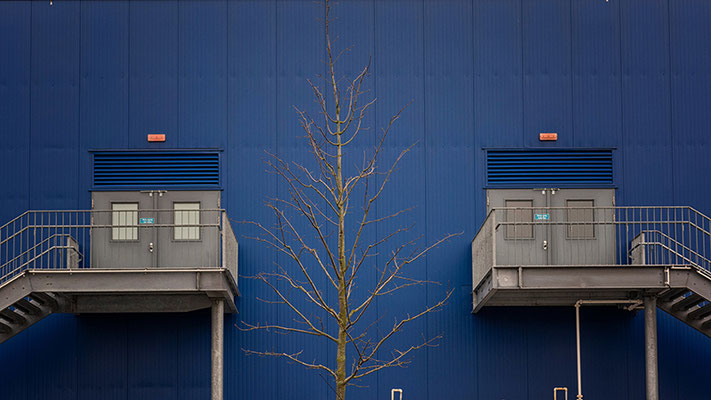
x: 545, y: 245
x: 150, y: 247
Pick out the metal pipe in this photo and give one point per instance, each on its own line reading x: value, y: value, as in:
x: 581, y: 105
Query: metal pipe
x: 392, y: 393
x: 577, y: 348
x: 560, y: 389
x: 218, y: 315
x: 577, y: 333
x: 650, y: 342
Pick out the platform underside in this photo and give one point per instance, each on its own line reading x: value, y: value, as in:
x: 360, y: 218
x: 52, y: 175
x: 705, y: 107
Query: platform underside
x: 562, y: 285
x: 126, y: 290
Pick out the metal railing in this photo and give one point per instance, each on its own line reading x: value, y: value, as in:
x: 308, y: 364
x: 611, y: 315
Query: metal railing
x: 141, y: 239
x: 593, y: 236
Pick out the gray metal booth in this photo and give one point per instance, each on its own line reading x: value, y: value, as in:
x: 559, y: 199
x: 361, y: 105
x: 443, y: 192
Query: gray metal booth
x: 554, y: 226
x: 156, y: 229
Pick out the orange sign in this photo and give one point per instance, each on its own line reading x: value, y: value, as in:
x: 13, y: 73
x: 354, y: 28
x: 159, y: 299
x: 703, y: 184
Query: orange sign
x: 156, y: 137
x: 544, y: 137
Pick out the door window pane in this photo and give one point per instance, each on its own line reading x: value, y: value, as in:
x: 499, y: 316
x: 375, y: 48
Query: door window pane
x: 186, y: 214
x: 519, y: 223
x: 580, y: 219
x: 124, y: 214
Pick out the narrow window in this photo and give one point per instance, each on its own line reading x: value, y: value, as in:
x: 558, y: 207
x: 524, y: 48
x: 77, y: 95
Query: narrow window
x: 186, y: 214
x: 581, y: 216
x: 519, y: 219
x: 124, y: 214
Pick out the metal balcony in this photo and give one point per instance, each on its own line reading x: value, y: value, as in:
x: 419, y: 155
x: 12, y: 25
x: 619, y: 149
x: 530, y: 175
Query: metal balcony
x: 107, y: 261
x: 561, y: 255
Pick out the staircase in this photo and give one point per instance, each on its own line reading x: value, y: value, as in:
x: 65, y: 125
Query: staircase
x: 690, y: 304
x: 20, y: 306
x: 19, y: 311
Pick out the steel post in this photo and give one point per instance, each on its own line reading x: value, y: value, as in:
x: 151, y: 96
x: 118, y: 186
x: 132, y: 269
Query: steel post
x: 218, y: 318
x: 650, y: 347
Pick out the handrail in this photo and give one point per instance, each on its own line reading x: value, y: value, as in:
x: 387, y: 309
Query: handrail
x: 34, y: 248
x: 671, y: 239
x: 15, y: 271
x: 14, y: 219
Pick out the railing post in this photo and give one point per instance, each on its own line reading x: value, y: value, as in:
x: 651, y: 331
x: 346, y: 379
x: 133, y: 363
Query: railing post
x: 493, y: 238
x: 223, y: 239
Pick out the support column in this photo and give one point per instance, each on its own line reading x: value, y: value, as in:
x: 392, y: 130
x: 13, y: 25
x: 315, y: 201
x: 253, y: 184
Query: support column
x: 218, y: 322
x: 650, y: 347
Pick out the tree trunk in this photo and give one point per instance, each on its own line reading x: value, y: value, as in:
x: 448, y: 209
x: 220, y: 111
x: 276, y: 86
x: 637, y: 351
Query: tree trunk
x: 342, y: 293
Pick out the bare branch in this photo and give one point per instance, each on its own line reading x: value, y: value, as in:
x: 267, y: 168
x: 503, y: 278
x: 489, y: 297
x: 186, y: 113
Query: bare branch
x: 293, y: 357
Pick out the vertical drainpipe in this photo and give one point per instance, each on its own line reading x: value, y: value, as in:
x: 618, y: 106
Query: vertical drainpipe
x: 577, y: 348
x: 218, y: 315
x: 650, y: 347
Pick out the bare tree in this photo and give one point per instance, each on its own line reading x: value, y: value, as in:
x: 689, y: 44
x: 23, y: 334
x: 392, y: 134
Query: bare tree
x: 319, y: 199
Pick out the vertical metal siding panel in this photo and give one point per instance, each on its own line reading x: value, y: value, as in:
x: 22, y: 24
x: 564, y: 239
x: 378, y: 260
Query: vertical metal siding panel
x: 399, y: 80
x: 502, y: 361
x: 51, y: 357
x: 153, y: 97
x: 547, y: 102
x: 645, y: 102
x: 194, y: 357
x: 203, y: 73
x: 15, y: 25
x: 450, y: 192
x: 634, y: 336
x: 498, y: 98
x: 252, y: 128
x: 104, y: 84
x: 152, y: 360
x: 102, y: 356
x: 596, y: 73
x: 670, y: 337
x: 55, y: 104
x: 14, y: 370
x: 691, y: 97
x: 299, y: 56
x: 550, y: 350
x: 603, y: 351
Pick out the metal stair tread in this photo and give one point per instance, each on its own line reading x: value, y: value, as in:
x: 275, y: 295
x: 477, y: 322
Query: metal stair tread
x: 687, y: 302
x: 700, y: 313
x: 28, y: 307
x: 13, y: 317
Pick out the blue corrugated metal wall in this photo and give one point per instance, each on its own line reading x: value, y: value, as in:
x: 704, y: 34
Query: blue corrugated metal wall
x: 634, y: 75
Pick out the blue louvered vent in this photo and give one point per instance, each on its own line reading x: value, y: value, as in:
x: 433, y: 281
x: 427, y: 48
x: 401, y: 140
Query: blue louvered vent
x: 548, y: 168
x: 156, y: 169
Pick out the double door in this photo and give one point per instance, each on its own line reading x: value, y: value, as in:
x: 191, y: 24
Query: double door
x: 155, y: 229
x: 554, y: 226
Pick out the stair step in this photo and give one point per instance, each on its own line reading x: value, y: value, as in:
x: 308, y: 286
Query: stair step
x: 687, y: 302
x: 706, y: 325
x: 672, y: 294
x: 27, y: 307
x: 701, y: 312
x: 44, y: 299
x: 13, y: 317
x: 5, y: 328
